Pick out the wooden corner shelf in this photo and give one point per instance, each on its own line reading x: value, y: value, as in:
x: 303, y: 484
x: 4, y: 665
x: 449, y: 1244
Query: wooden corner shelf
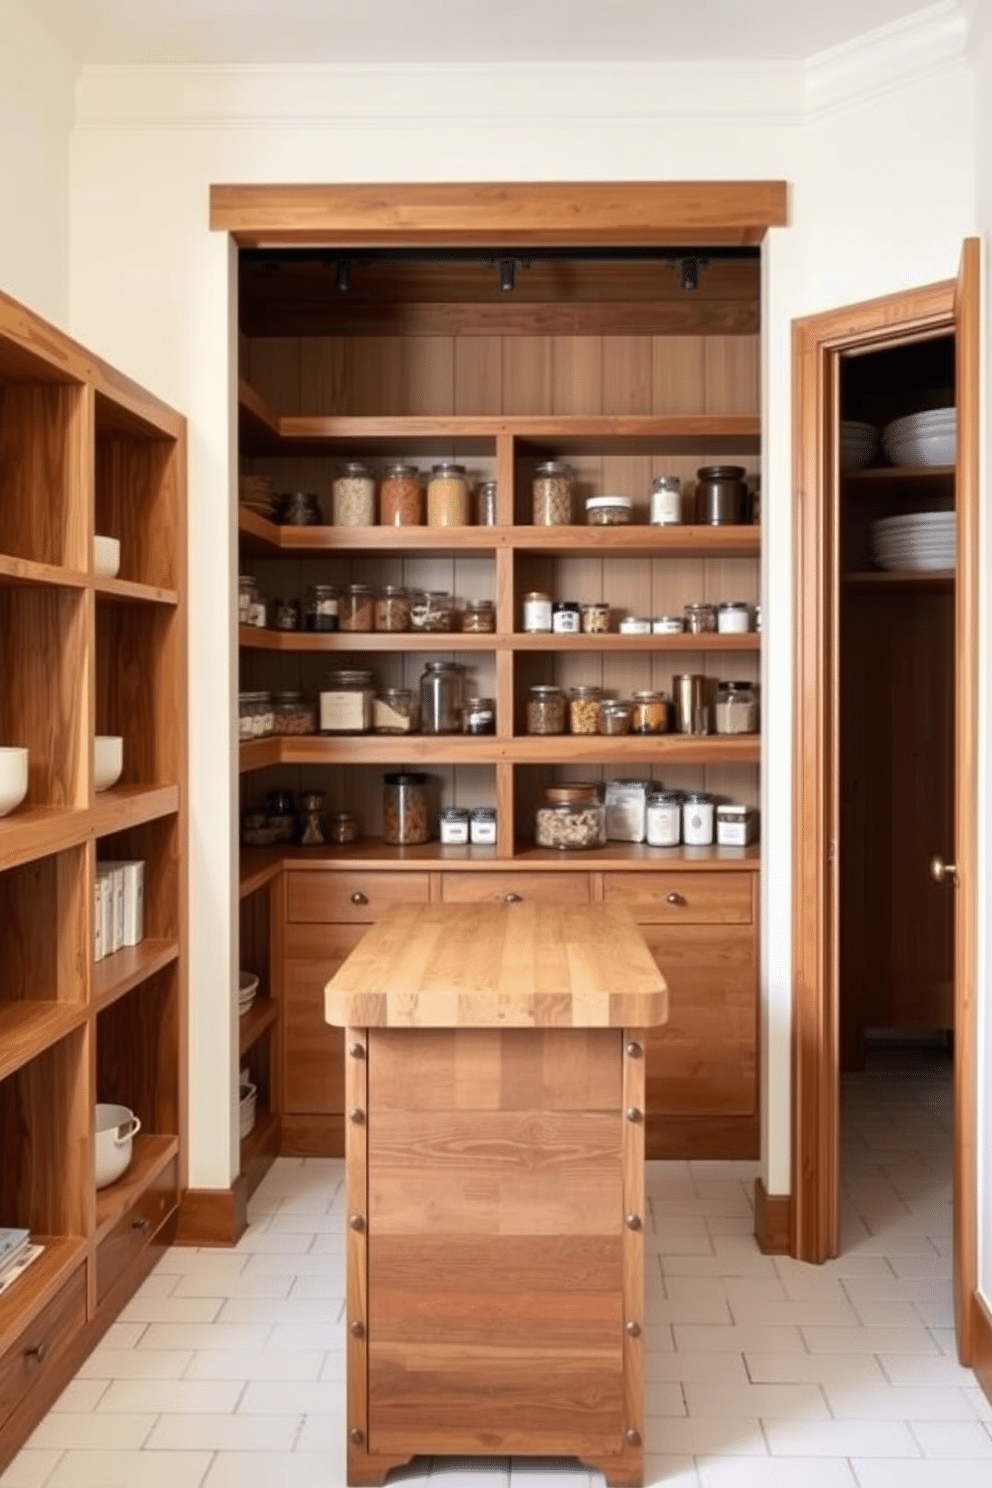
x: 253, y: 638
x: 127, y: 968
x: 150, y: 1154
x: 454, y: 749
x: 28, y: 1028
x: 127, y: 591
x: 259, y: 1018
x: 130, y: 806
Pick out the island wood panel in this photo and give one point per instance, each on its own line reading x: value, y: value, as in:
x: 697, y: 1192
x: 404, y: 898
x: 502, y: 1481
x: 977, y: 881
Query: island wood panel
x: 313, y: 1077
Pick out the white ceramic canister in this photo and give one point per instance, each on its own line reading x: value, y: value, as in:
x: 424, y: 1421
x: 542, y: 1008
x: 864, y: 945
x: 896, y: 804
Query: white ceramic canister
x: 697, y: 819
x: 664, y: 819
x: 733, y: 617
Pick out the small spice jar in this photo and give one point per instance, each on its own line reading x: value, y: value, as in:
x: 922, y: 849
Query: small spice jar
x: 392, y: 710
x: 482, y: 826
x: 300, y: 509
x: 454, y: 826
x: 634, y: 625
x: 447, y: 496
x: 595, y: 618
x: 405, y: 821
x: 431, y: 610
x: 441, y: 698
x: 479, y: 617
x: 392, y: 609
x: 609, y: 511
x: 734, y: 825
x: 286, y: 614
x: 545, y: 710
x: 247, y: 705
x: 479, y: 716
x: 264, y: 718
x: 649, y: 713
x: 663, y: 819
x: 353, y: 496
x: 320, y: 608
x: 697, y: 819
x: 733, y: 617
x: 346, y: 703
x: 312, y: 819
x: 485, y: 504
x: 356, y: 608
x: 615, y: 717
x: 401, y: 497
x: 666, y: 501
x: 248, y: 595
x: 668, y: 625
x: 584, y: 704
x: 537, y: 612
x: 700, y: 619
x: 566, y: 617
x: 736, y: 710
x: 292, y: 713
x: 552, y: 494
x: 343, y: 827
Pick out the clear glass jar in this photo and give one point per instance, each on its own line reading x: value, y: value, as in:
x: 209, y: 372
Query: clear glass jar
x: 700, y: 618
x: 485, y: 504
x: 545, y: 710
x: 736, y: 710
x: 441, y: 698
x: 300, y: 509
x: 264, y: 716
x: 447, y: 496
x: 247, y: 713
x: 553, y: 494
x: 454, y: 826
x: 280, y: 810
x: 312, y: 831
x: 733, y: 617
x: 343, y: 827
x: 479, y: 716
x: 626, y: 809
x: 346, y: 703
x: 431, y: 610
x: 286, y: 614
x: 663, y: 824
x: 293, y: 714
x: 566, y: 617
x: 405, y: 817
x: 537, y: 613
x: 595, y: 618
x: 392, y: 609
x: 248, y: 595
x: 584, y: 704
x: 356, y: 608
x: 668, y: 625
x: 734, y: 825
x: 697, y: 819
x: 609, y: 511
x: 392, y: 711
x: 571, y: 826
x: 479, y: 617
x: 615, y: 717
x: 634, y: 625
x: 353, y: 496
x: 649, y: 713
x: 401, y: 497
x: 666, y: 501
x: 482, y: 826
x: 320, y: 608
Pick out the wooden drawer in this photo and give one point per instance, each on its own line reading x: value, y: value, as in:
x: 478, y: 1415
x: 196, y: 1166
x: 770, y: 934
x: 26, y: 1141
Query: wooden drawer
x: 37, y: 1351
x: 313, y: 1072
x: 542, y: 888
x: 136, y: 1228
x: 683, y: 898
x: 325, y: 898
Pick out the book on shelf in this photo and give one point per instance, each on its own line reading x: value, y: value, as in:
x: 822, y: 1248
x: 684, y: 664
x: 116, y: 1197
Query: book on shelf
x: 14, y: 1267
x: 13, y: 1244
x: 119, y: 908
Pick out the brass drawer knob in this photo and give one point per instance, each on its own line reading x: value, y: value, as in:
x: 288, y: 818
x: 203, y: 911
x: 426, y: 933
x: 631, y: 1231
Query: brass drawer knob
x: 356, y: 1437
x: 357, y: 1115
x: 357, y: 1222
x: 357, y: 1330
x: 36, y: 1354
x: 633, y: 1113
x: 633, y: 1221
x: 674, y: 898
x: 512, y: 898
x: 359, y: 898
x: 633, y: 1051
x: 357, y: 1051
x: 632, y: 1329
x: 632, y: 1437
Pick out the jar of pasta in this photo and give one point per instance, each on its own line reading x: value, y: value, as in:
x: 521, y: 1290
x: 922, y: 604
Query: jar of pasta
x: 405, y: 820
x: 447, y: 496
x: 584, y: 704
x: 401, y: 497
x: 353, y: 496
x: 553, y: 494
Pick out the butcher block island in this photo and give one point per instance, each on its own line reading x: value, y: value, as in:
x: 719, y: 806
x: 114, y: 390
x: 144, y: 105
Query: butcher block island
x: 495, y: 1183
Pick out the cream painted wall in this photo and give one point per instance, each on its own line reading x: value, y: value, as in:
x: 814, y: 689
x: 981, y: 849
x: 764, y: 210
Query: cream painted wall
x: 149, y: 288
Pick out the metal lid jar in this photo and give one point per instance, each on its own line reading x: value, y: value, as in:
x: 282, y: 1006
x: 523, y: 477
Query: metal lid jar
x: 392, y: 608
x: 479, y: 617
x: 392, y: 710
x: 537, y: 612
x: 545, y: 709
x: 405, y: 816
x: 441, y: 698
x: 479, y: 716
x: 609, y: 511
x: 666, y: 501
x: 663, y: 819
x: 733, y: 617
x: 454, y: 826
x: 697, y: 819
x: 584, y: 704
x: 431, y: 610
x: 736, y: 710
x: 353, y: 496
x: 721, y: 495
x: 356, y: 608
x: 320, y: 608
x: 649, y: 713
x: 553, y: 494
x: 293, y: 714
x: 447, y: 496
x: 615, y: 716
x: 401, y: 496
x: 346, y: 703
x: 700, y: 618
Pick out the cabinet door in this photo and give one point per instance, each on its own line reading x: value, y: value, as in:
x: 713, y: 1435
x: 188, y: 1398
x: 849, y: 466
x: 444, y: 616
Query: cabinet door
x: 313, y: 1051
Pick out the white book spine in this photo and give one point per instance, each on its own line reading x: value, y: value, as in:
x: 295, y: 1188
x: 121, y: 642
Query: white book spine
x: 134, y: 902
x: 107, y: 903
x: 98, y: 951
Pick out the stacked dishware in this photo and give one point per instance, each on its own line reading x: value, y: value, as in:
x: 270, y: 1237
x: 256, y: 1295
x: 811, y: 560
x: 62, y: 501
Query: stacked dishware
x: 258, y: 494
x: 927, y: 438
x: 920, y: 542
x: 858, y: 444
x: 247, y: 991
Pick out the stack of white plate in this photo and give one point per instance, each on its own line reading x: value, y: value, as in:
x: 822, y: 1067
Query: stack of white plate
x: 927, y: 438
x: 247, y: 991
x: 858, y: 444
x: 920, y: 543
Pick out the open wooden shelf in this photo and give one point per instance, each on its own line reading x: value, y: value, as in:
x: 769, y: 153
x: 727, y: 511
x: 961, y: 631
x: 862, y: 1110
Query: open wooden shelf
x: 24, y: 571
x: 263, y: 1012
x: 448, y: 749
x: 900, y: 473
x: 614, y: 857
x: 150, y: 1154
x: 28, y: 1028
x: 35, y: 831
x: 899, y: 579
x: 35, y: 1288
x: 130, y: 806
x: 128, y: 591
x: 259, y: 1147
x: 119, y: 973
x: 252, y: 638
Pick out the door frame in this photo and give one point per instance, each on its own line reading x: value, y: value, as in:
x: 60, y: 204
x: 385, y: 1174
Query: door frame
x: 818, y: 344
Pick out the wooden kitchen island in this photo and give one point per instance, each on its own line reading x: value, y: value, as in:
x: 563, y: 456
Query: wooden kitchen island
x: 495, y: 1188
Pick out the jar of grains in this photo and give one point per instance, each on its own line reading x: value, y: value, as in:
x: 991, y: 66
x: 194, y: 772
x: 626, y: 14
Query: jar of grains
x: 447, y: 496
x: 404, y: 810
x: 454, y: 826
x: 485, y: 504
x: 401, y: 497
x: 615, y: 717
x: 609, y: 511
x: 553, y: 492
x: 572, y: 818
x: 441, y: 698
x: 353, y: 496
x: 479, y: 617
x: 320, y: 608
x: 700, y: 619
x: 343, y: 827
x: 247, y: 709
x: 392, y: 609
x: 247, y: 595
x: 293, y: 714
x: 649, y: 713
x: 346, y: 703
x: 431, y: 610
x: 356, y: 608
x: 286, y: 614
x: 537, y: 612
x: 584, y: 704
x: 265, y: 718
x: 736, y: 710
x: 479, y: 716
x: 545, y: 710
x: 595, y: 619
x: 392, y: 710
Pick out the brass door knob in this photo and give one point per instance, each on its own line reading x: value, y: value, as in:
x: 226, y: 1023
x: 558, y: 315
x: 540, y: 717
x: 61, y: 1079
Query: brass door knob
x: 512, y: 899
x: 942, y: 872
x: 674, y: 898
x: 359, y: 898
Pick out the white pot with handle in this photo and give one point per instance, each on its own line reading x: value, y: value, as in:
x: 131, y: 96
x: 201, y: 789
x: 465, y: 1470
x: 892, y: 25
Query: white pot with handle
x: 116, y: 1128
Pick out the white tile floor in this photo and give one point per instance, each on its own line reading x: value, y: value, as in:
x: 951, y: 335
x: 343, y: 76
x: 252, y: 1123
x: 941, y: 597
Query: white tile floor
x: 226, y: 1369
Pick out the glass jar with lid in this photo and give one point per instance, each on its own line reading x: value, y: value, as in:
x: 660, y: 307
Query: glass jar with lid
x: 663, y: 819
x: 553, y: 494
x: 733, y: 617
x: 482, y: 826
x: 264, y: 716
x: 736, y: 710
x: 441, y: 698
x: 405, y: 815
x: 545, y: 709
x: 700, y: 618
x: 300, y: 509
x: 346, y: 703
x: 392, y: 608
x: 595, y: 618
x: 454, y: 826
x: 615, y: 716
x: 431, y: 610
x: 248, y: 595
x: 392, y: 710
x: 485, y: 504
x: 649, y: 713
x: 479, y: 617
x: 479, y: 716
x: 666, y: 501
x: 697, y: 819
x: 343, y: 827
x: 584, y: 704
x: 566, y: 617
x: 312, y: 832
x: 356, y: 608
x: 571, y: 818
x: 609, y: 511
x: 293, y: 714
x: 401, y: 496
x: 286, y: 614
x: 537, y: 612
x: 353, y: 496
x: 447, y: 496
x: 248, y: 711
x: 320, y: 608
x: 280, y: 814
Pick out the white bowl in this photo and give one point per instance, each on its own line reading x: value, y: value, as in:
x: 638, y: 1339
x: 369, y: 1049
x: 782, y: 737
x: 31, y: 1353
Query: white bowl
x: 13, y: 777
x: 116, y: 1128
x: 106, y: 556
x: 108, y: 760
x: 923, y: 449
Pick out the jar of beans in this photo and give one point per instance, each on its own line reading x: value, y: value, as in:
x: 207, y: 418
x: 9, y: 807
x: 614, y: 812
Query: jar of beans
x: 353, y: 496
x: 595, y: 618
x: 356, y: 609
x: 293, y: 714
x: 545, y: 710
x: 614, y: 717
x: 584, y: 704
x: 320, y: 608
x: 392, y: 609
x: 401, y: 497
x: 447, y: 496
x: 479, y: 617
x: 553, y: 493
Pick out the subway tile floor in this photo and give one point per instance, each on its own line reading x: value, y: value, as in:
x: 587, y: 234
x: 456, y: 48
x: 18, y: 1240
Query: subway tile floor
x: 227, y: 1368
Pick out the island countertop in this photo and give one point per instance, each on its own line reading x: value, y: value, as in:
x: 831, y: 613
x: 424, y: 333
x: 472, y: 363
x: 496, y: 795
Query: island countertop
x: 500, y: 966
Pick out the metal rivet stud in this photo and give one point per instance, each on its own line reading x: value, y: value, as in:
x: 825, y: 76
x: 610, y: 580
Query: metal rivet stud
x: 632, y: 1437
x: 357, y: 1115
x: 633, y: 1221
x: 633, y: 1329
x: 357, y: 1222
x: 633, y: 1113
x: 633, y: 1051
x: 357, y: 1051
x: 357, y: 1330
x: 355, y: 1436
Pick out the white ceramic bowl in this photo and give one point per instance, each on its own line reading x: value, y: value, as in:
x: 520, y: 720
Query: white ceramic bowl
x: 106, y: 556
x: 116, y: 1128
x: 13, y: 777
x: 108, y: 760
x: 923, y: 449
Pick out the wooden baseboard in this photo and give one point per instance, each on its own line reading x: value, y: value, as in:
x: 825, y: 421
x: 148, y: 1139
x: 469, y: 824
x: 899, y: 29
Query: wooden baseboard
x: 213, y: 1216
x: 772, y: 1221
x: 981, y: 1342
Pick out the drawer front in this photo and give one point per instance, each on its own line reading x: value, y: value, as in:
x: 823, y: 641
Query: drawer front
x: 326, y: 898
x: 41, y: 1345
x: 531, y: 888
x: 136, y: 1229
x: 313, y: 1051
x: 683, y: 898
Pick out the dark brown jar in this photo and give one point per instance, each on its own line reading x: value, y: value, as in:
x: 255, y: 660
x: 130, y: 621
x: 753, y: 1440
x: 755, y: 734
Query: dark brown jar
x: 721, y: 495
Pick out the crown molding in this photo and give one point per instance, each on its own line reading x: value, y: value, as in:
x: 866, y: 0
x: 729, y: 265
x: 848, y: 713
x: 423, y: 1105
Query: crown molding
x: 887, y: 58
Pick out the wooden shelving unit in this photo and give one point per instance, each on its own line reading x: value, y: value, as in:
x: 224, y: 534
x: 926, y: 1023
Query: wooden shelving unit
x: 83, y: 451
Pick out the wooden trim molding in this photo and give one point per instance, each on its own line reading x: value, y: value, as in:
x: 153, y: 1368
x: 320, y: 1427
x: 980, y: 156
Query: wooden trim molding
x: 518, y: 214
x: 772, y: 1221
x: 213, y: 1216
x: 981, y: 1342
